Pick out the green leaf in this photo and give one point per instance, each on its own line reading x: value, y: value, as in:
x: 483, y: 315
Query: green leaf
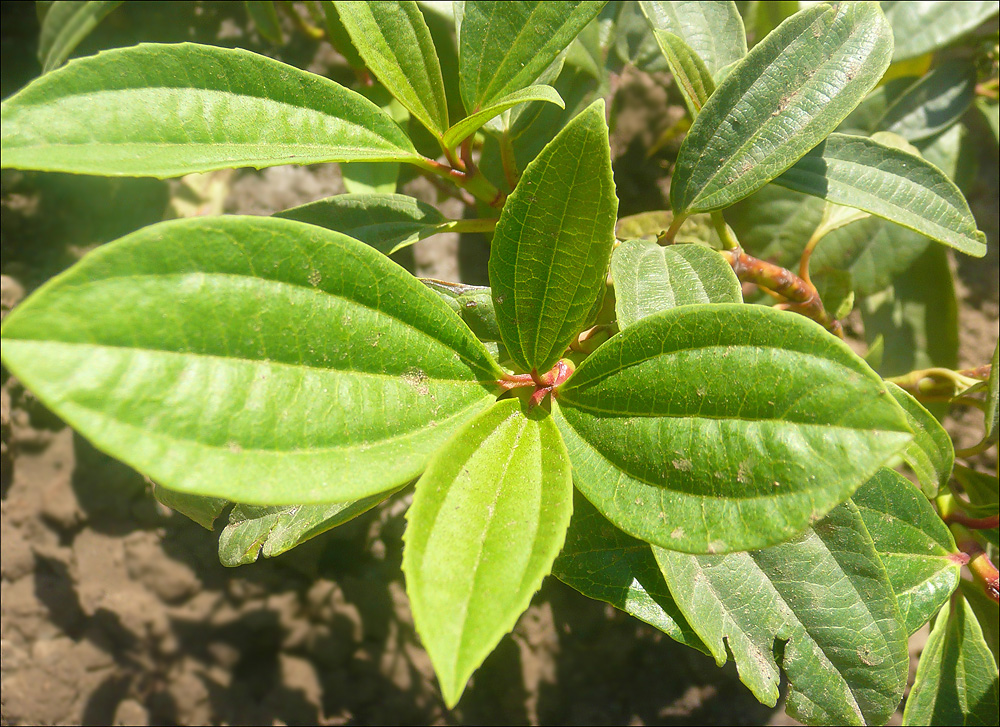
x: 930, y: 455
x: 488, y: 519
x: 552, y: 245
x: 203, y: 510
x: 957, y: 677
x: 913, y: 543
x: 714, y: 30
x: 836, y: 291
x: 271, y: 531
x: 891, y: 183
x: 472, y: 303
x: 933, y: 103
x: 991, y: 112
x: 922, y: 26
x: 690, y: 74
x: 339, y: 36
x: 66, y: 24
x: 983, y: 491
x: 395, y: 43
x: 262, y: 360
x: 470, y: 124
x: 387, y: 222
x: 987, y: 614
x: 505, y: 46
x: 364, y: 178
x: 991, y: 422
x: 650, y: 225
x: 169, y: 110
x: 789, y: 92
x: 821, y: 604
x: 265, y: 18
x: 650, y: 278
x: 603, y: 563
x: 713, y: 428
x: 917, y: 317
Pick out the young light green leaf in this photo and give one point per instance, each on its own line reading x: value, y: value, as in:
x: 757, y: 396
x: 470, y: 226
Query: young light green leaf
x: 470, y: 124
x: 258, y: 359
x: 922, y: 26
x: 203, y: 510
x: 387, y: 222
x: 395, y: 43
x: 169, y: 110
x: 888, y: 182
x: 650, y: 278
x: 714, y: 31
x: 932, y: 103
x: 505, y: 46
x: 688, y: 428
x: 913, y: 543
x: 790, y: 91
x: 957, y: 676
x: 690, y: 74
x: 488, y: 519
x: 365, y: 178
x: 552, y: 245
x: 265, y: 18
x: 603, y: 563
x: 930, y: 455
x: 271, y: 531
x: 66, y: 24
x: 917, y: 317
x: 472, y: 303
x: 822, y: 601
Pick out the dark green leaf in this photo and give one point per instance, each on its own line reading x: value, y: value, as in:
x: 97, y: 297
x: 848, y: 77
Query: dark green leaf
x: 930, y: 455
x: 66, y: 24
x: 395, y: 43
x: 387, y: 222
x: 991, y: 426
x: 552, y: 245
x: 650, y: 278
x: 785, y: 97
x: 258, y: 359
x: 603, y: 563
x: 957, y: 677
x: 713, y: 30
x: 922, y: 26
x: 836, y: 290
x: 488, y: 519
x: 473, y: 304
x: 168, y: 110
x: 271, y: 531
x: 339, y: 36
x: 712, y: 428
x: 203, y: 510
x: 888, y: 182
x: 822, y: 601
x: 913, y: 543
x: 987, y: 614
x: 265, y: 18
x: 991, y: 112
x: 933, y: 103
x: 505, y: 46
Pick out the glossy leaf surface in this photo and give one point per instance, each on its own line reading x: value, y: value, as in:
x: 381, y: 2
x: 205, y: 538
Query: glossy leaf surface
x: 931, y: 454
x: 957, y: 676
x: 169, y: 110
x: 789, y: 92
x: 713, y: 428
x: 65, y: 25
x: 913, y: 543
x: 552, y: 245
x: 504, y: 46
x: 395, y: 43
x: 270, y: 531
x: 714, y: 30
x: 387, y: 222
x: 890, y: 183
x: 603, y: 563
x: 933, y: 103
x: 821, y: 600
x: 488, y: 519
x: 650, y: 278
x: 920, y: 26
x: 470, y: 124
x: 262, y: 360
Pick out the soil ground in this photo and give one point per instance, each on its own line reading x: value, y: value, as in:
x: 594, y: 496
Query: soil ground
x: 116, y: 610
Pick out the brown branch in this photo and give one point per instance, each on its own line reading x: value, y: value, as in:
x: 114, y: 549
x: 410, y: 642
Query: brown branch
x: 802, y: 297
